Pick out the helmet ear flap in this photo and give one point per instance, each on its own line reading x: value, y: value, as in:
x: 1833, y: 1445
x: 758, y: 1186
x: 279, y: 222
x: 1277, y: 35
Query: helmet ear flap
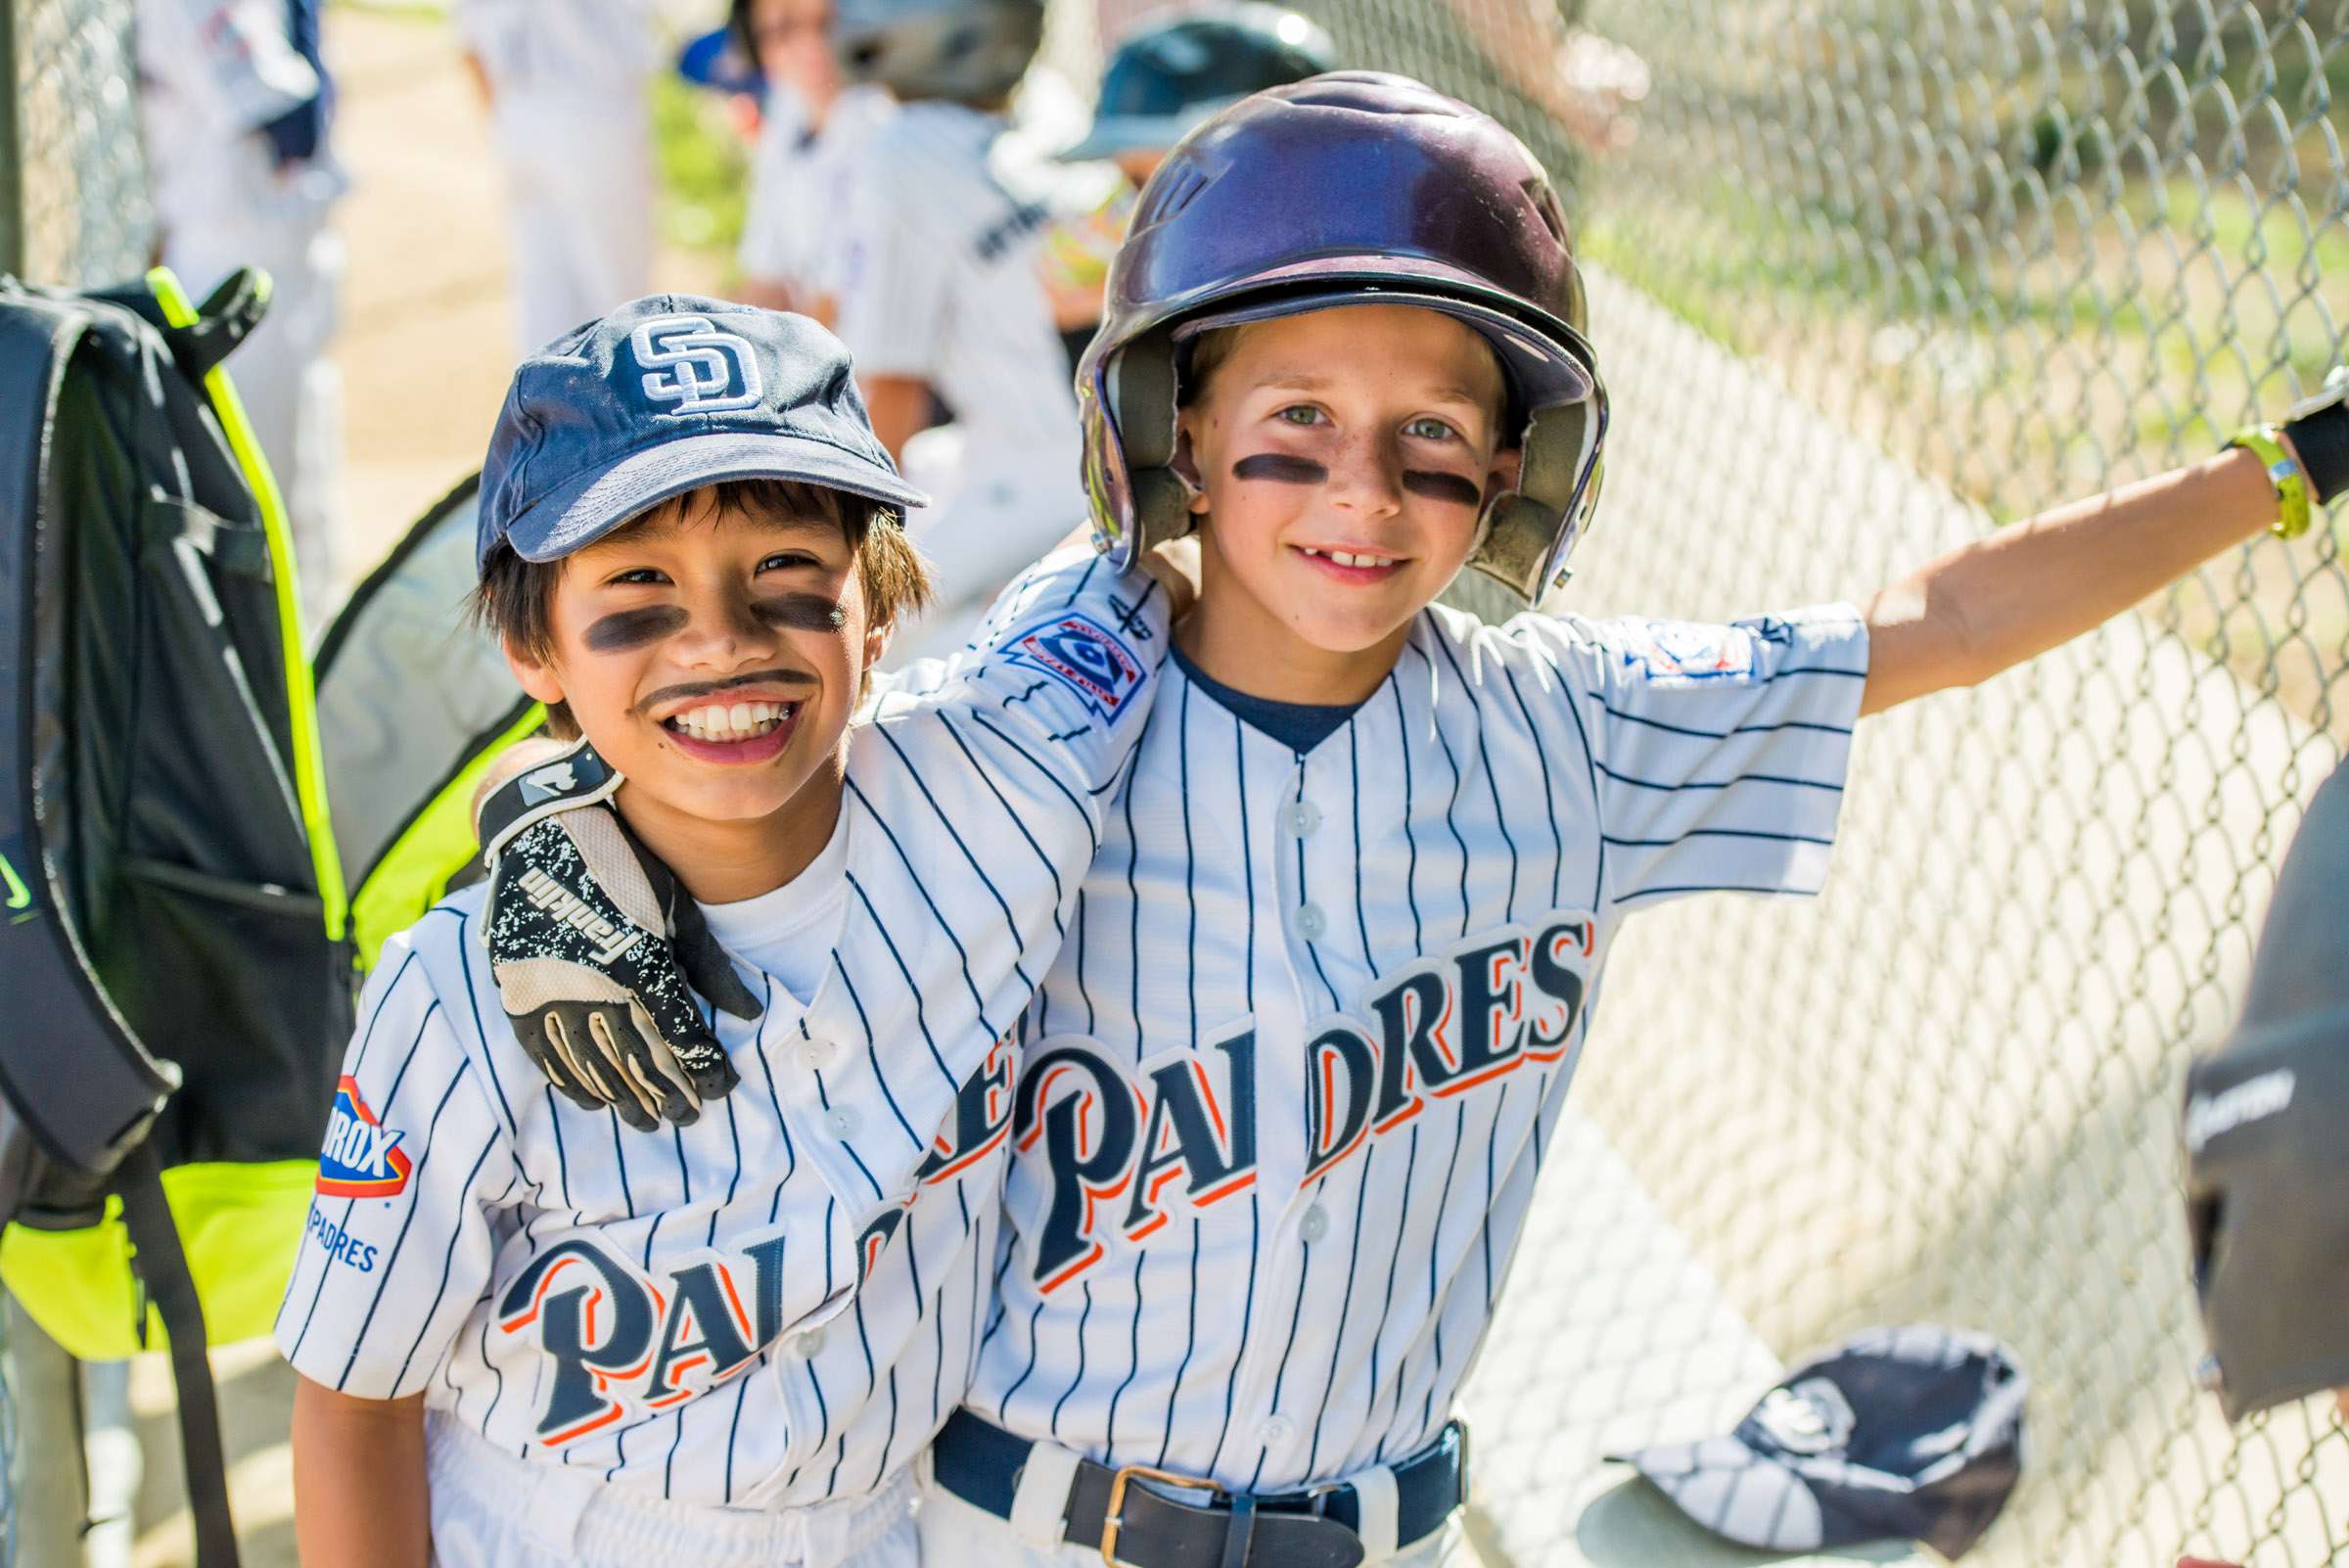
x: 1142, y: 389
x: 1528, y: 531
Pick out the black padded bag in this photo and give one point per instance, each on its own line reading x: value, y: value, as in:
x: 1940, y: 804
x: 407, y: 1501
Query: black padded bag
x: 169, y: 990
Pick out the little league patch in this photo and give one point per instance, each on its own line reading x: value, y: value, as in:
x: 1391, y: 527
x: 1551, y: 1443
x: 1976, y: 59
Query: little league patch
x: 1086, y: 657
x: 1683, y: 650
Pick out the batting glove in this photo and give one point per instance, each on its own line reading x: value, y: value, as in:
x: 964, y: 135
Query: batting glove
x: 596, y: 949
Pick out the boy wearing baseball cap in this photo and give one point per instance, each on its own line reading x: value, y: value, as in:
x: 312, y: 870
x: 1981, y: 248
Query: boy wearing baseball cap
x: 1299, y: 1064
x: 525, y: 1338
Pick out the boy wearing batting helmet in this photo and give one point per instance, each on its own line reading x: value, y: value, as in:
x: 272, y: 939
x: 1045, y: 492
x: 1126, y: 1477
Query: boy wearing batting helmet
x: 525, y: 1338
x: 1289, y: 1083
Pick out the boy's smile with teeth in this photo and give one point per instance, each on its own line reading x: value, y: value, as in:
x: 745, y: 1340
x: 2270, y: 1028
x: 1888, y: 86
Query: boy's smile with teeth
x: 724, y: 721
x: 1361, y: 559
x: 713, y: 655
x: 1339, y: 460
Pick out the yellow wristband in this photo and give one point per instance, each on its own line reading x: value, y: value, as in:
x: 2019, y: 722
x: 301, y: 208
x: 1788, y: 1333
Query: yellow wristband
x: 2283, y: 472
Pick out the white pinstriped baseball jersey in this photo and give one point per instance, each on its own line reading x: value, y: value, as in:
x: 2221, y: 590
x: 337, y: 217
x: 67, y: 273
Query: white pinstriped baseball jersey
x: 801, y: 182
x: 780, y: 1302
x: 1289, y: 1083
x: 941, y: 286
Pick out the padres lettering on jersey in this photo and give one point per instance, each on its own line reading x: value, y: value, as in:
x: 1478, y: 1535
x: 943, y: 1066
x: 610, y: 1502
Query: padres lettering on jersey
x: 1299, y: 1057
x: 780, y: 1302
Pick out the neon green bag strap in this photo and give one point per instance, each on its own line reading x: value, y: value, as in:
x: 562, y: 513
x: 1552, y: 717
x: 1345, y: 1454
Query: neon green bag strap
x: 301, y: 697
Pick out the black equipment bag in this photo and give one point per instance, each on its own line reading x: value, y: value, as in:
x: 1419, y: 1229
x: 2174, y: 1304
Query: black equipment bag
x: 168, y: 911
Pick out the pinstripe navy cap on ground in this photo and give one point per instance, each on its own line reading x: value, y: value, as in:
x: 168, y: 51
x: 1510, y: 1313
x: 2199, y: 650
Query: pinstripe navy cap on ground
x: 1911, y: 1433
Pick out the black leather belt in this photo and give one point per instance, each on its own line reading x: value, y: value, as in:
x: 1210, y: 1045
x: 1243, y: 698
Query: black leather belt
x: 1146, y: 1518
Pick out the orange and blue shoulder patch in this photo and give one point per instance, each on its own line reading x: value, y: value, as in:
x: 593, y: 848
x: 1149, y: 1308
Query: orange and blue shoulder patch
x: 1084, y: 656
x: 363, y: 1157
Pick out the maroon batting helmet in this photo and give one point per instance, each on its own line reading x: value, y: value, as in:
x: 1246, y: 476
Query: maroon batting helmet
x: 1355, y: 187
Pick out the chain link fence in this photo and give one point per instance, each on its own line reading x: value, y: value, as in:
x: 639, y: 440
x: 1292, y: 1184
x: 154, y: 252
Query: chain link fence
x: 73, y: 205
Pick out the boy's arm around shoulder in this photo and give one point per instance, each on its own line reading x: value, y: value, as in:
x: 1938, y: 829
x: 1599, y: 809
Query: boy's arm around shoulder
x: 1059, y: 678
x: 1988, y: 605
x: 360, y: 1499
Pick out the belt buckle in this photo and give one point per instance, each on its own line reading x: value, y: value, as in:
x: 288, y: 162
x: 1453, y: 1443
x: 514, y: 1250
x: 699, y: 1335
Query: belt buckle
x: 1111, y: 1523
x: 1316, y: 1499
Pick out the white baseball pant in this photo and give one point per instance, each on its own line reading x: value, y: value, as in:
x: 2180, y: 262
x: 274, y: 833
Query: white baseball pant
x: 492, y: 1510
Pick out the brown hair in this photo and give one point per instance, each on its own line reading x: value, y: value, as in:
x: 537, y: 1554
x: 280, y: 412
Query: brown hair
x: 514, y: 599
x: 1207, y: 353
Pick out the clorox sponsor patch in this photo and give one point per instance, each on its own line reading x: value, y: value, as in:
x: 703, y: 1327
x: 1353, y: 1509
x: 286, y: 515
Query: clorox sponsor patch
x: 363, y: 1157
x: 1084, y: 656
x: 1678, y: 651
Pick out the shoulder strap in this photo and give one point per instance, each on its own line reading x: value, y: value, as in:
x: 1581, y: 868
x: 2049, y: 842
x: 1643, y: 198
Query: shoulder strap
x: 241, y: 300
x: 163, y: 1270
x: 85, y: 1106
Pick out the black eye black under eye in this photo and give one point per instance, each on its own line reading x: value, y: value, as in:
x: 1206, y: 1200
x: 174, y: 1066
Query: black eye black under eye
x: 801, y: 612
x: 1285, y: 468
x: 624, y: 629
x: 1442, y: 486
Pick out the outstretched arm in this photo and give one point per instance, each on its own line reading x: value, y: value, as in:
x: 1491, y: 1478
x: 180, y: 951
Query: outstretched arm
x: 1988, y: 605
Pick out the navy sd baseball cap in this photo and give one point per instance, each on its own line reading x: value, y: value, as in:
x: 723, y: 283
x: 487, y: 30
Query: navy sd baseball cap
x: 1911, y: 1433
x: 663, y: 395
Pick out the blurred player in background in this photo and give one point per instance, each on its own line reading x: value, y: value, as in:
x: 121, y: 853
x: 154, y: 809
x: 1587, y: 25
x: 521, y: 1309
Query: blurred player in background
x: 1165, y: 79
x: 940, y: 295
x: 2267, y: 1167
x: 567, y: 83
x: 812, y: 138
x: 236, y: 106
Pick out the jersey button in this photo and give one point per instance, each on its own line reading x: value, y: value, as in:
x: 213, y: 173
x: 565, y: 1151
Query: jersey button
x: 1302, y: 818
x: 1311, y: 922
x: 841, y: 1123
x: 817, y: 1054
x: 1313, y: 1225
x: 806, y: 1342
x: 1276, y: 1431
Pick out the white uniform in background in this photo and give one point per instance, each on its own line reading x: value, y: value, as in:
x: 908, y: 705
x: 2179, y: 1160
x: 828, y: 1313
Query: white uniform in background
x: 801, y: 182
x: 211, y: 75
x: 570, y: 115
x: 941, y: 286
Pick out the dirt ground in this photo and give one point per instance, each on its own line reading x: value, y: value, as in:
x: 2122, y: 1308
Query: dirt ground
x: 425, y: 343
x: 425, y: 348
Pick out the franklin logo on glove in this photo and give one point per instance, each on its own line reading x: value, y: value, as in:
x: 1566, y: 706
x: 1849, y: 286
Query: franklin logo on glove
x: 571, y: 910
